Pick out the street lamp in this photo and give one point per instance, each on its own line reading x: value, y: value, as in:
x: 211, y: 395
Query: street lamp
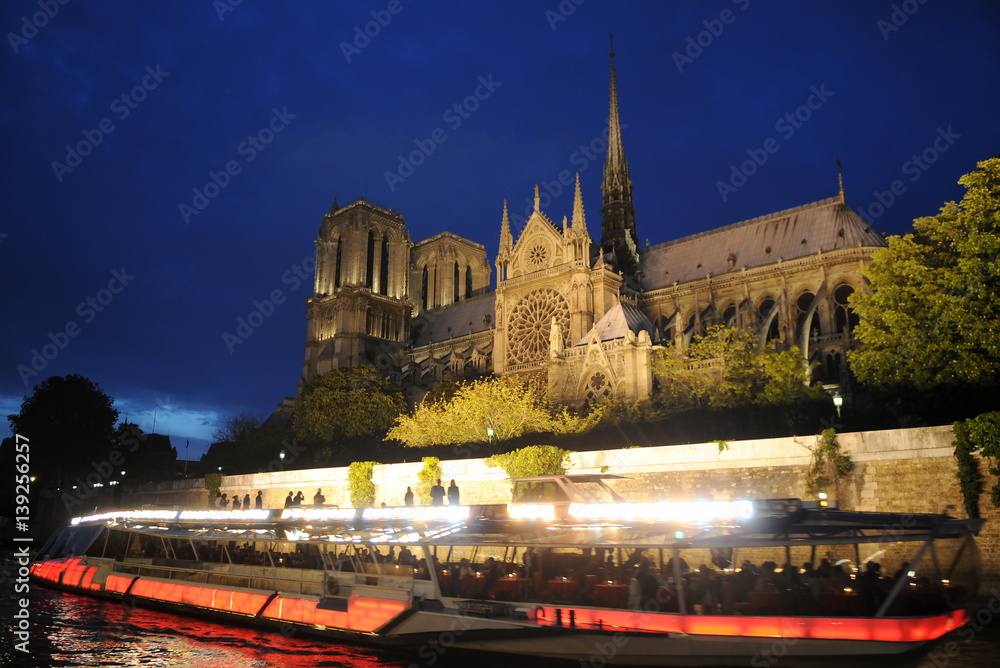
x: 489, y: 435
x: 838, y: 401
x: 281, y: 456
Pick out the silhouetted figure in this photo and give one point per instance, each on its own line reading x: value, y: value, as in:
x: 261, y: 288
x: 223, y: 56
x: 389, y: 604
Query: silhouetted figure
x: 224, y: 504
x: 408, y: 498
x: 289, y: 500
x: 246, y: 501
x: 236, y: 501
x: 218, y: 499
x: 452, y: 494
x: 437, y: 494
x: 318, y: 498
x: 299, y: 498
x: 259, y: 502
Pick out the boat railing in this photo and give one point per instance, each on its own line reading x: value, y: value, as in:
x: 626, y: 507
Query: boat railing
x: 299, y: 581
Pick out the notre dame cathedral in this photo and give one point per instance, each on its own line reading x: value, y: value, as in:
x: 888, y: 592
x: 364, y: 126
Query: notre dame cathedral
x: 587, y: 316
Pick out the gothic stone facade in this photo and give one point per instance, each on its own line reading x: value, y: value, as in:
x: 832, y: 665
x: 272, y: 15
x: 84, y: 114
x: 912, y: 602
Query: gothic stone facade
x: 585, y: 316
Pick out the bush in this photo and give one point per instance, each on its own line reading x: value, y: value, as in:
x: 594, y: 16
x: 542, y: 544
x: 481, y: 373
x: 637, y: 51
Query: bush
x: 982, y: 434
x: 359, y: 480
x: 531, y: 461
x: 428, y: 477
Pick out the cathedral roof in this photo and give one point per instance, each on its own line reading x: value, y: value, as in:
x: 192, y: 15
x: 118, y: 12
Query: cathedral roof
x: 782, y: 236
x: 617, y: 322
x: 454, y: 320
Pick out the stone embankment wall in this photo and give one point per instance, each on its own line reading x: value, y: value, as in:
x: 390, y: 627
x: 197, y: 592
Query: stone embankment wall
x: 903, y: 470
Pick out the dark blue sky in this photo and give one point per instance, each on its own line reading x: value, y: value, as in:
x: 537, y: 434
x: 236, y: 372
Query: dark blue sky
x: 153, y: 97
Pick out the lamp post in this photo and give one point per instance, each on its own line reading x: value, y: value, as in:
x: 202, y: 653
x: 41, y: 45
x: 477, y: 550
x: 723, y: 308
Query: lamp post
x: 489, y: 435
x: 838, y: 401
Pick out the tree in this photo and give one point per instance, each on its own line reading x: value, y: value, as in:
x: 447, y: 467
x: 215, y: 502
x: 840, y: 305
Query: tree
x: 533, y: 460
x: 507, y: 405
x: 932, y: 318
x: 345, y: 403
x: 237, y: 428
x: 727, y: 368
x: 70, y: 423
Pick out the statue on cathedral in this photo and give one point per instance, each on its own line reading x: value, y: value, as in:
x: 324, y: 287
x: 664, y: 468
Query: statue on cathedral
x: 555, y: 340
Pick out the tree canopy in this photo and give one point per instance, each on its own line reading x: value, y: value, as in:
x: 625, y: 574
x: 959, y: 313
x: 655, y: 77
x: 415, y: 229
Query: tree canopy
x: 70, y: 423
x: 727, y: 368
x: 933, y: 316
x: 508, y: 405
x: 346, y: 403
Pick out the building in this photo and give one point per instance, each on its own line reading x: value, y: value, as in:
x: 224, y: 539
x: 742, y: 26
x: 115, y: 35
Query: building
x: 586, y: 316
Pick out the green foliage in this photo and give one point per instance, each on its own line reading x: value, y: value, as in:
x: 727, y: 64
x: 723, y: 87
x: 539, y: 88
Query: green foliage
x: 531, y: 461
x: 727, y: 368
x: 979, y: 434
x: 428, y: 477
x: 445, y: 390
x: 723, y: 446
x: 933, y: 318
x: 345, y: 403
x: 360, y: 485
x: 829, y: 464
x: 70, y: 423
x: 213, y: 481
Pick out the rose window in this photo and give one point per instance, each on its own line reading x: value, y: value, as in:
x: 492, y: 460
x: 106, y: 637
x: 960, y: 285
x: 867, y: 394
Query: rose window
x: 598, y: 387
x: 530, y: 324
x: 538, y: 256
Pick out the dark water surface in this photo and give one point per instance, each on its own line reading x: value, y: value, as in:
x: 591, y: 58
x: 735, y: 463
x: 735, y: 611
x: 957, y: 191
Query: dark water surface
x: 71, y: 630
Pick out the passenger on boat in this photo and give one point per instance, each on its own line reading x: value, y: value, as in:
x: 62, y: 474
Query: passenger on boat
x: 453, y: 494
x: 635, y: 591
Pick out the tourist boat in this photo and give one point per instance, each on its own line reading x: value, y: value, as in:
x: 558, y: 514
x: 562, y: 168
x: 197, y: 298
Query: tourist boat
x: 567, y: 570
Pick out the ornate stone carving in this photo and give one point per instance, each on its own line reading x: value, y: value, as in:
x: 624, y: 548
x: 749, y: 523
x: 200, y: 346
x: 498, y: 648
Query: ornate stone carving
x: 530, y: 323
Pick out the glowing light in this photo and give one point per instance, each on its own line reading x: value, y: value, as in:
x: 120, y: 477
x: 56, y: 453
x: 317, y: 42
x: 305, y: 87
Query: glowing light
x: 696, y: 512
x: 119, y: 515
x: 532, y: 511
x: 225, y: 514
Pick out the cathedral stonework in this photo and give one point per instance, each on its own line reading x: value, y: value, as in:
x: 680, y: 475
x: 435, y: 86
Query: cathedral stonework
x: 587, y: 316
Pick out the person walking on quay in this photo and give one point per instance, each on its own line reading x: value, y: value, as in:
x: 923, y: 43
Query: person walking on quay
x: 224, y: 504
x: 453, y: 494
x: 218, y: 499
x: 408, y: 498
x: 299, y: 498
x: 236, y: 501
x: 259, y: 503
x: 437, y: 494
x: 246, y: 501
x: 318, y: 498
x: 289, y: 501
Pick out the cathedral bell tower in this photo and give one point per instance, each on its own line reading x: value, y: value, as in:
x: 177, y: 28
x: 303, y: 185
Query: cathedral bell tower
x: 617, y: 215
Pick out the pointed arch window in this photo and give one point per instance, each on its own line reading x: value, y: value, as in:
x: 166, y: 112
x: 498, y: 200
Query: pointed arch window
x: 423, y: 289
x: 383, y: 274
x: 773, y: 332
x: 845, y: 317
x: 340, y: 254
x: 456, y: 285
x: 468, y: 282
x: 370, y: 267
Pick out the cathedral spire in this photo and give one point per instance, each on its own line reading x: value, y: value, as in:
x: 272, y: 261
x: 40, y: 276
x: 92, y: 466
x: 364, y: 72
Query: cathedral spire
x: 840, y: 177
x: 506, y: 240
x: 617, y: 214
x: 579, y: 220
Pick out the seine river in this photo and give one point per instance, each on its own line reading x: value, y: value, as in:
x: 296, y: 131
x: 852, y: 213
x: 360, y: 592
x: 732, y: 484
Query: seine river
x: 70, y: 630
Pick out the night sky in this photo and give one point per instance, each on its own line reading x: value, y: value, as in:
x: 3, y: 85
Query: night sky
x: 114, y: 114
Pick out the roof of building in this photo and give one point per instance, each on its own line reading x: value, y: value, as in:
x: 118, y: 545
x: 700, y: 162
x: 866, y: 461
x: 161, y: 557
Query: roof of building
x: 781, y: 236
x: 464, y: 317
x: 622, y: 318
